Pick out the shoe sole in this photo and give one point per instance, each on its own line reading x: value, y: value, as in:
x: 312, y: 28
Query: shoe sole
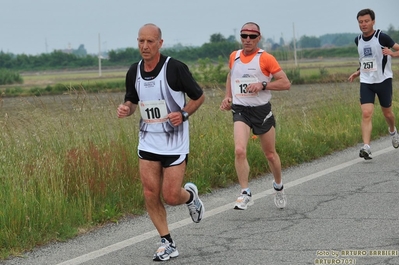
x: 166, y: 259
x: 236, y: 207
x: 174, y: 254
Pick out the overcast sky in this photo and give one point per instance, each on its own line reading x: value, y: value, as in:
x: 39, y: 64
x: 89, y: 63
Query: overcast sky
x: 40, y: 26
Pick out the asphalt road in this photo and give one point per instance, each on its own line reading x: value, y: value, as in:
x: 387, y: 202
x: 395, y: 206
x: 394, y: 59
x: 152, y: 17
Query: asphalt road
x: 341, y: 210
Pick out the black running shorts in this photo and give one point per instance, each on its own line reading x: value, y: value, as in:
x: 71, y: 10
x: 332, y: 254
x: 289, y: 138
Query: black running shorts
x: 382, y: 90
x: 260, y: 118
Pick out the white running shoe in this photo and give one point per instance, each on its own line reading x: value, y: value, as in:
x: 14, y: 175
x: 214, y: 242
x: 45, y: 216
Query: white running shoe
x: 196, y: 207
x: 166, y: 251
x: 280, y: 200
x: 243, y: 201
x: 365, y: 152
x: 395, y: 139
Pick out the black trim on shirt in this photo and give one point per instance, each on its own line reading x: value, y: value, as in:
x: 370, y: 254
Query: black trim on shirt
x: 384, y: 39
x: 178, y: 77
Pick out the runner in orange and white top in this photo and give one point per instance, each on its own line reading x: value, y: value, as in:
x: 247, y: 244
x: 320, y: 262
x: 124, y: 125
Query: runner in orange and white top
x: 254, y: 73
x: 248, y: 70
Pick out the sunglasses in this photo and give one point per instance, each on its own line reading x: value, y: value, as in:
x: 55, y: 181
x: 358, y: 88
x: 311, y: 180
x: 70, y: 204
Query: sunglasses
x: 251, y: 36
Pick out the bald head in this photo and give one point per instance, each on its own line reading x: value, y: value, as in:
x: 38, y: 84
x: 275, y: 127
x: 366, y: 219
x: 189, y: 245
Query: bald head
x: 152, y: 29
x: 150, y: 42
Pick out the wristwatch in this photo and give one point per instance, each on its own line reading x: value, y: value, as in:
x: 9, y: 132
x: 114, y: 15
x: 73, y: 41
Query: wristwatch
x: 184, y: 115
x: 264, y: 84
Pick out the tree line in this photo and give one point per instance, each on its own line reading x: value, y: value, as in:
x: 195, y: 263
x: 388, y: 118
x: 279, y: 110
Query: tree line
x: 307, y: 47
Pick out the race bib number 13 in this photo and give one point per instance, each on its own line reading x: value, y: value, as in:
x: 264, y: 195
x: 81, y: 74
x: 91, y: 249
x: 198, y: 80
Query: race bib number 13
x: 240, y: 87
x: 153, y: 111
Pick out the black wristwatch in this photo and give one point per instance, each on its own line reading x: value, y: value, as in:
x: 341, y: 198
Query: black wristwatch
x: 184, y: 115
x: 264, y: 84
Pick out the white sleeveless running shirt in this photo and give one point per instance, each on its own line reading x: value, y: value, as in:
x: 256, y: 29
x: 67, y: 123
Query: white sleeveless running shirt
x: 241, y: 75
x: 157, y: 135
x: 373, y: 69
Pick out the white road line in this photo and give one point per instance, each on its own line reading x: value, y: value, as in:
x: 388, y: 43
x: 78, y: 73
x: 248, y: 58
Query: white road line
x: 134, y: 240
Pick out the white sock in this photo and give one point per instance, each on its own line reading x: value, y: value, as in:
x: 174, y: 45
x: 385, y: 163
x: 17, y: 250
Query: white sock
x: 247, y: 190
x: 278, y: 186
